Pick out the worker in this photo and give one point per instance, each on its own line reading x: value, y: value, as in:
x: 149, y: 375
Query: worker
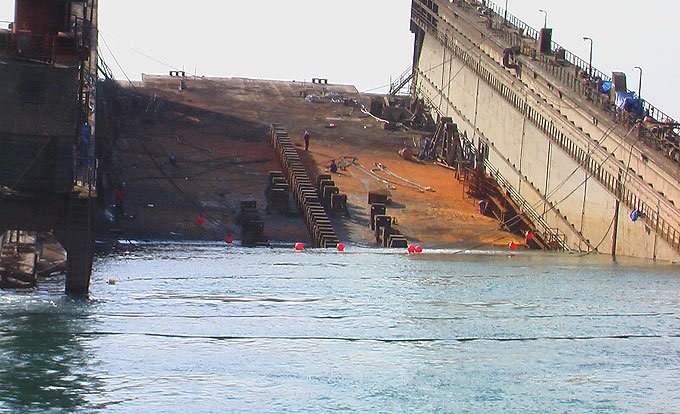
x: 306, y: 139
x: 634, y: 215
x: 426, y: 149
x: 333, y: 167
x: 482, y: 206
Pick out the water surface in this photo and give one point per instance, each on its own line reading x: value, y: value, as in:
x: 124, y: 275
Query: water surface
x: 215, y: 328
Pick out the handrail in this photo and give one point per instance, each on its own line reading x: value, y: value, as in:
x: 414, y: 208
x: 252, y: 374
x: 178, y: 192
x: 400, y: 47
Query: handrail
x: 86, y: 174
x: 524, y: 206
x: 599, y: 169
x: 653, y: 136
x: 570, y: 57
x: 402, y: 81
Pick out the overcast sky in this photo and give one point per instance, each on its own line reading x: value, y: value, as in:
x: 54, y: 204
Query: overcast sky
x: 365, y: 42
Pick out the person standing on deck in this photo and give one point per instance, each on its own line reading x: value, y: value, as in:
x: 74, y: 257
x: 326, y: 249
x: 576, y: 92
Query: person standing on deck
x: 306, y: 139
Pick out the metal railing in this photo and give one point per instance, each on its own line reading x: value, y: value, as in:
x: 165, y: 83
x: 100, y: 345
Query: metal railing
x: 403, y: 80
x: 85, y: 175
x: 527, y: 209
x: 62, y: 48
x: 665, y: 219
x: 527, y: 31
x: 551, y: 233
x: 570, y: 73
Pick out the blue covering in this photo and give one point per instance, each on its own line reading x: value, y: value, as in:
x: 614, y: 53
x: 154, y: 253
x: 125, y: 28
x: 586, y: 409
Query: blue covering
x: 634, y: 215
x: 629, y: 103
x: 606, y: 87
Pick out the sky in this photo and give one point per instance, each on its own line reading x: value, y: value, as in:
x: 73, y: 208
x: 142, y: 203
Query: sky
x: 366, y: 43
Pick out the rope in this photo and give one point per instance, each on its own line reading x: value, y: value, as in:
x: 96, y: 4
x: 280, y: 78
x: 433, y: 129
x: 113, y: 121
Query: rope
x: 623, y: 180
x: 117, y: 63
x: 389, y: 184
x: 420, y: 187
x: 512, y: 220
x: 363, y: 110
x: 172, y: 182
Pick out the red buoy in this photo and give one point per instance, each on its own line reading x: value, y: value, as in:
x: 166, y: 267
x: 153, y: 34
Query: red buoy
x: 229, y: 239
x: 419, y: 249
x: 200, y: 220
x: 512, y: 246
x: 341, y: 247
x: 411, y: 248
x: 299, y: 246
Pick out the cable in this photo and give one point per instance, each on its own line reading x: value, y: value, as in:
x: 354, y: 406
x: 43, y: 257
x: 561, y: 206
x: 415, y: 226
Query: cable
x: 198, y: 206
x: 376, y: 88
x: 28, y: 167
x: 146, y: 56
x: 118, y: 63
x: 622, y: 182
x: 512, y: 220
x: 588, y: 175
x: 564, y: 181
x: 568, y: 177
x: 421, y: 188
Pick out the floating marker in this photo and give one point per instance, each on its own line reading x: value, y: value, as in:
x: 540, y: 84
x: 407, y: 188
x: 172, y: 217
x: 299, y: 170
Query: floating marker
x: 299, y: 246
x: 341, y: 247
x: 419, y: 249
x: 229, y: 239
x: 512, y: 246
x: 411, y: 248
x: 200, y: 220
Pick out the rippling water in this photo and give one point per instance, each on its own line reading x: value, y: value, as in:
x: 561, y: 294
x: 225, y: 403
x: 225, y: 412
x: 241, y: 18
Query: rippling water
x: 214, y: 329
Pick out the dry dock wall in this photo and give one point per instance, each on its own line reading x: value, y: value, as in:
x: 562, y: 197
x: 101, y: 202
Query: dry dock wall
x: 544, y: 144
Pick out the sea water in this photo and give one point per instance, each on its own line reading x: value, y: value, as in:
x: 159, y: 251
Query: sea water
x: 215, y: 328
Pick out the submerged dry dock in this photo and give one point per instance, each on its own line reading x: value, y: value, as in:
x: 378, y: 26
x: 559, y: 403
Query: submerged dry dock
x: 186, y: 146
x: 572, y: 145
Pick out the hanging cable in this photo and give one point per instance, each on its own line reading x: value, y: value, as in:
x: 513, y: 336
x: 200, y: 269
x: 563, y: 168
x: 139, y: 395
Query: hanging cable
x: 118, y: 63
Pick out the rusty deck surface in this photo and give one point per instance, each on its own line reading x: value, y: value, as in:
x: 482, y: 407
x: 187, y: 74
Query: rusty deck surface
x: 218, y: 130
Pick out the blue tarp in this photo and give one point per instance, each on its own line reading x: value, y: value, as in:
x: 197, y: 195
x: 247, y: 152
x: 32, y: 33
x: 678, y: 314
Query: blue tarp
x: 630, y: 103
x: 606, y: 87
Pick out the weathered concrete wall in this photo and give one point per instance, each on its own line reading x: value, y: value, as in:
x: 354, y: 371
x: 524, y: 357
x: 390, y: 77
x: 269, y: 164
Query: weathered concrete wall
x: 538, y: 145
x: 622, y: 142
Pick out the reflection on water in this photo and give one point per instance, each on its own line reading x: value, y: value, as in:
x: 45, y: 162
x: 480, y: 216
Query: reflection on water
x: 212, y: 328
x: 43, y: 364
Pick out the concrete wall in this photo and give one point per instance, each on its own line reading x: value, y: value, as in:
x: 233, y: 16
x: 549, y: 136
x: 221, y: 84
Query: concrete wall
x: 537, y: 149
